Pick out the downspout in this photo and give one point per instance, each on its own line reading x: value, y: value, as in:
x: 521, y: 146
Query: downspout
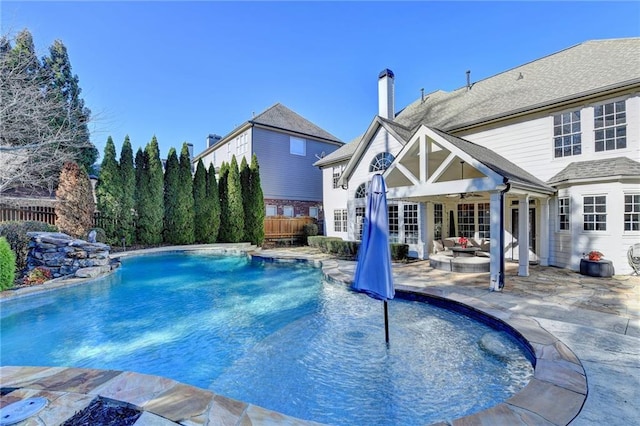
x: 502, y: 265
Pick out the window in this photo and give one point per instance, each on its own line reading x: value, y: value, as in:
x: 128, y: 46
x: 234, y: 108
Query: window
x: 313, y: 212
x: 567, y: 137
x: 632, y: 212
x: 484, y: 220
x: 381, y: 162
x: 297, y: 146
x: 361, y: 191
x: 394, y: 230
x: 610, y: 124
x: 242, y: 144
x: 359, y: 222
x: 340, y: 220
x: 466, y: 220
x: 411, y: 224
x: 564, y: 213
x: 595, y: 213
x: 271, y: 210
x: 287, y: 211
x: 438, y: 221
x: 337, y: 171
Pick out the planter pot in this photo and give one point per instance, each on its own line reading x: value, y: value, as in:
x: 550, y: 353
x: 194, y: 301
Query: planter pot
x: 596, y: 268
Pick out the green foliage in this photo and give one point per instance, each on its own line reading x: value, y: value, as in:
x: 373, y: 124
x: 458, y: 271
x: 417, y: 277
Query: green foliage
x: 108, y: 192
x: 75, y: 206
x: 16, y: 235
x: 140, y: 165
x: 7, y: 265
x: 309, y: 230
x: 151, y: 196
x: 321, y: 242
x: 75, y: 117
x: 214, y: 198
x: 171, y: 184
x: 185, y: 222
x: 234, y: 200
x: 256, y: 210
x: 399, y: 251
x: 245, y: 185
x: 224, y: 233
x: 127, y: 193
x: 201, y: 205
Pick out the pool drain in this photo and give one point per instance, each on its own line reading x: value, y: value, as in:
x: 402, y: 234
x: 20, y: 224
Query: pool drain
x: 21, y: 410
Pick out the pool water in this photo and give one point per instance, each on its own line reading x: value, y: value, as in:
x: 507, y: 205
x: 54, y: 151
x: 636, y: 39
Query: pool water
x: 274, y: 335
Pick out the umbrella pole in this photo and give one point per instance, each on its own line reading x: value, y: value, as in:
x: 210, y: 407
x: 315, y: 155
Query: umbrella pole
x: 386, y: 322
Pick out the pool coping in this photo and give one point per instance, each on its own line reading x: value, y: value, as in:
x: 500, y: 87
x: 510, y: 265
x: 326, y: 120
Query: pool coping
x: 554, y: 396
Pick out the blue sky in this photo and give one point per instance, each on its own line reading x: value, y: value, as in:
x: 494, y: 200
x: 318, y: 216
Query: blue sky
x: 182, y: 70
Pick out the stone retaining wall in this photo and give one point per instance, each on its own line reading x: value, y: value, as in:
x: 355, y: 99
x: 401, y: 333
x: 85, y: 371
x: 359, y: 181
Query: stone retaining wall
x: 64, y: 255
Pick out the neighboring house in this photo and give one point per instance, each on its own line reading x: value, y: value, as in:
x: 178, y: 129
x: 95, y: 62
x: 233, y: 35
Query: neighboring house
x: 286, y: 146
x: 556, y: 141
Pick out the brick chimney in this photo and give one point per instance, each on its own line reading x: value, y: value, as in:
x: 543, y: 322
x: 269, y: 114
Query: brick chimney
x: 386, y: 94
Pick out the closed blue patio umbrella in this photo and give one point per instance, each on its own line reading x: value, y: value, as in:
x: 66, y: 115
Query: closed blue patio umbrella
x: 373, y: 270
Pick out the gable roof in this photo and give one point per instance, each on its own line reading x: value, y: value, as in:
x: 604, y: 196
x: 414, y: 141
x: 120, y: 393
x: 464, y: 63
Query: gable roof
x: 512, y: 173
x: 282, y: 118
x: 595, y: 169
x: 586, y: 69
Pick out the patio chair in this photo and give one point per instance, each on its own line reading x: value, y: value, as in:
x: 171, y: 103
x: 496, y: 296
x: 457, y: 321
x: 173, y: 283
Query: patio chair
x: 633, y: 254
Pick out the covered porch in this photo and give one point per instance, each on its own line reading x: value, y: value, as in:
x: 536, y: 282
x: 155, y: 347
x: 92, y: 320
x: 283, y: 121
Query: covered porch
x: 464, y: 189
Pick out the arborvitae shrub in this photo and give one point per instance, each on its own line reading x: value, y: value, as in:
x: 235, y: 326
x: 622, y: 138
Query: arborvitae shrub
x: 7, y: 265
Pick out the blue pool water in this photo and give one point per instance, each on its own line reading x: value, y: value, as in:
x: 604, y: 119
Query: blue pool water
x: 273, y: 335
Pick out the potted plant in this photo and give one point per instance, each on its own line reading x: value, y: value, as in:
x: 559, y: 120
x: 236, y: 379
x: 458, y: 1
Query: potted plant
x: 595, y: 255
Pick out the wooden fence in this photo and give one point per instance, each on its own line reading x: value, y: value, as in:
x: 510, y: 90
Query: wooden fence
x: 284, y: 227
x: 24, y: 213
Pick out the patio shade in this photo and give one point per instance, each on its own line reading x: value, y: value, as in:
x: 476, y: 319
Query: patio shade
x: 373, y: 270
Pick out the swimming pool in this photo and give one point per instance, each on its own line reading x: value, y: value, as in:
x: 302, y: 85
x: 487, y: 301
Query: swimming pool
x: 273, y: 335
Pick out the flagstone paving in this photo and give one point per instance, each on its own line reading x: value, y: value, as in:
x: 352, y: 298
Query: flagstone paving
x: 584, y: 331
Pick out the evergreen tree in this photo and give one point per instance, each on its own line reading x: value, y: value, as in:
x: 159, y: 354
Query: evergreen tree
x: 61, y: 83
x: 23, y: 54
x: 141, y: 165
x: 185, y: 198
x: 108, y: 193
x: 201, y: 205
x: 213, y: 197
x: 151, y: 202
x: 257, y: 209
x: 224, y: 234
x: 75, y: 206
x: 234, y: 203
x: 245, y: 184
x: 127, y: 194
x: 171, y: 185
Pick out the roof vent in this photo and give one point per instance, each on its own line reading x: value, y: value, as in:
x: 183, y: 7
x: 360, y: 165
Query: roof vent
x: 468, y: 79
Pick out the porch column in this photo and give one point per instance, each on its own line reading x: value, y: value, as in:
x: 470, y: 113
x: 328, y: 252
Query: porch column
x: 496, y: 218
x: 426, y: 229
x: 544, y: 232
x: 523, y: 236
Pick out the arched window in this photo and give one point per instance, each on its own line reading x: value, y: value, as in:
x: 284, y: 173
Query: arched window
x: 361, y: 192
x: 381, y: 162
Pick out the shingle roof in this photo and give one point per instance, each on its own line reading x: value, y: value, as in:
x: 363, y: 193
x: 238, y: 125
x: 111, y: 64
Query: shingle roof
x: 280, y: 117
x: 577, y: 71
x: 343, y: 153
x: 619, y: 166
x: 496, y: 162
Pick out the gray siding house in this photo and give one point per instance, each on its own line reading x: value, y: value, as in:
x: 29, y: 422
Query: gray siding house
x: 286, y: 145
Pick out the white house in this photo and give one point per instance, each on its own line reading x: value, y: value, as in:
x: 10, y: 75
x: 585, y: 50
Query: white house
x: 556, y: 141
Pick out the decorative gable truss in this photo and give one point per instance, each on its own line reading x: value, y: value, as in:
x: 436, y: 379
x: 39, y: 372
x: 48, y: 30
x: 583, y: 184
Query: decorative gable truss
x: 429, y: 166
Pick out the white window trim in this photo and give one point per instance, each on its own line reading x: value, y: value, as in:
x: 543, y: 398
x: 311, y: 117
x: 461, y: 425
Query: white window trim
x: 295, y: 143
x: 582, y: 214
x: 568, y: 214
x: 630, y: 232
